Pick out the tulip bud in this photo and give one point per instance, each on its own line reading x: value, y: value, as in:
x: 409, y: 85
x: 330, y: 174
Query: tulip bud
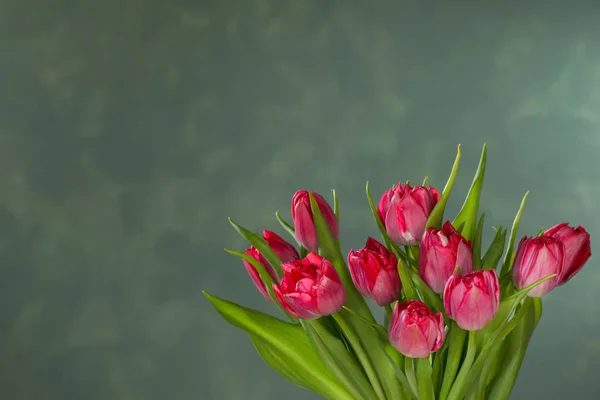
x: 254, y: 275
x: 306, y: 232
x: 535, y: 259
x: 310, y: 288
x: 404, y: 212
x: 286, y: 251
x: 441, y: 251
x: 472, y: 300
x: 374, y: 271
x: 414, y: 330
x: 577, y: 248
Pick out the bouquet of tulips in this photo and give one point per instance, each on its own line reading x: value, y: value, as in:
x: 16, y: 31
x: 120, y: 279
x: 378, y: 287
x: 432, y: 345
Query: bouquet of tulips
x: 457, y: 320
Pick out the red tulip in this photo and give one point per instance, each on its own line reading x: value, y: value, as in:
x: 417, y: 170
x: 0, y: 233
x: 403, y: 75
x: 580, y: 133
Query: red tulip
x: 577, y: 248
x: 254, y: 275
x: 404, y: 212
x: 285, y: 251
x: 374, y: 271
x: 441, y: 251
x: 414, y: 330
x: 310, y: 288
x: 535, y: 259
x: 472, y: 300
x: 306, y: 232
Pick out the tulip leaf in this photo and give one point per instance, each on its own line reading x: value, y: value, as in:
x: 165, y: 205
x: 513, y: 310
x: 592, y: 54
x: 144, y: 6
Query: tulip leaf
x: 332, y: 351
x: 336, y: 206
x: 424, y: 381
x: 510, y: 253
x: 380, y: 225
x: 261, y: 245
x: 495, y: 251
x: 290, y: 229
x: 284, y: 346
x: 407, y: 284
x: 432, y: 300
x: 477, y: 243
x: 469, y: 211
x: 437, y: 214
x: 456, y: 339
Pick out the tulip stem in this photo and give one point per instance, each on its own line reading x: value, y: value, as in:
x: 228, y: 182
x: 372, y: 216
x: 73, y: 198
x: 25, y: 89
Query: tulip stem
x: 457, y: 387
x: 410, y: 374
x: 456, y: 340
x: 360, y: 353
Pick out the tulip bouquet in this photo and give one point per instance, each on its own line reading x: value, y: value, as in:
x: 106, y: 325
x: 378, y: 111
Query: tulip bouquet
x: 456, y: 320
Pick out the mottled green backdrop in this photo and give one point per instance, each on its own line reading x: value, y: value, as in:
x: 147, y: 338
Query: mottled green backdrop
x: 130, y: 130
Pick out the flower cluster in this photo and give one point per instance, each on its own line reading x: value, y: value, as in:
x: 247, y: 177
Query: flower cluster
x: 442, y: 297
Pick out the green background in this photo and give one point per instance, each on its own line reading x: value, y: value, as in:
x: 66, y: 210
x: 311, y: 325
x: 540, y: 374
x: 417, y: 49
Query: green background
x: 130, y: 130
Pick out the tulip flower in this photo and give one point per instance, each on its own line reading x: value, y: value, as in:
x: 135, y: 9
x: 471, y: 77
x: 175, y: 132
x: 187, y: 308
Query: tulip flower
x: 536, y: 258
x: 306, y: 232
x: 414, y: 330
x: 254, y: 275
x: 310, y: 288
x: 286, y: 251
x: 404, y: 212
x: 472, y: 300
x: 577, y: 248
x: 441, y: 251
x: 374, y: 271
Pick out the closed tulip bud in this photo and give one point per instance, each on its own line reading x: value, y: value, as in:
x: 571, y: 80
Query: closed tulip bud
x: 254, y: 275
x: 441, y: 251
x: 577, y: 248
x: 286, y: 251
x: 310, y: 288
x: 414, y: 330
x: 374, y: 271
x: 472, y: 300
x: 304, y: 223
x: 536, y: 258
x: 404, y: 212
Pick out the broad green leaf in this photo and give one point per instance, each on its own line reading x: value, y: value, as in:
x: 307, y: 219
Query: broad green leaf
x: 424, y: 379
x: 456, y: 339
x: 430, y: 298
x: 407, y: 284
x: 510, y: 253
x: 470, y: 209
x: 495, y: 251
x: 295, y: 354
x: 477, y: 243
x: 437, y: 214
x: 338, y: 360
x: 261, y: 245
x: 380, y: 224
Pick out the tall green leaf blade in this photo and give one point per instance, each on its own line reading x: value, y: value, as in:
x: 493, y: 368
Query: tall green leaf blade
x: 495, y: 251
x: 470, y: 209
x: 477, y: 243
x: 437, y: 214
x: 289, y: 341
x: 261, y: 245
x: 510, y: 253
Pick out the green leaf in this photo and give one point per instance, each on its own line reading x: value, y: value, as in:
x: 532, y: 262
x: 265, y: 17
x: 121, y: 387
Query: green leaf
x: 296, y: 358
x: 407, y: 284
x: 336, y: 206
x: 469, y: 211
x: 456, y: 339
x: 338, y: 360
x: 380, y: 225
x: 432, y: 299
x: 261, y: 245
x: 289, y: 228
x: 264, y: 276
x: 510, y: 253
x: 437, y: 214
x: 424, y: 379
x: 477, y: 243
x: 494, y: 252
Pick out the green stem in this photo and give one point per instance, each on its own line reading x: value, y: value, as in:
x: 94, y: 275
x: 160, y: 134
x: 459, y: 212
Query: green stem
x: 361, y: 354
x: 425, y: 383
x: 410, y: 374
x: 456, y: 338
x: 455, y: 392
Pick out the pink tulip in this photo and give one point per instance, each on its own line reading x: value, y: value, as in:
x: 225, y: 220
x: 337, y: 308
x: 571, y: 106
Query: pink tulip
x: 254, y: 275
x: 286, y: 251
x: 536, y: 258
x: 440, y: 253
x: 310, y: 288
x: 577, y: 248
x: 306, y: 232
x: 404, y: 212
x: 374, y: 271
x: 472, y: 300
x: 414, y: 330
